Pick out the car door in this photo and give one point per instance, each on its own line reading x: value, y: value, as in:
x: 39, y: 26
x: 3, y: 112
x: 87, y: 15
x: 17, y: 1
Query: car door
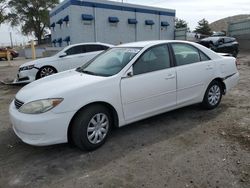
x: 194, y: 72
x: 152, y: 87
x: 73, y: 58
x: 221, y: 46
x: 229, y: 47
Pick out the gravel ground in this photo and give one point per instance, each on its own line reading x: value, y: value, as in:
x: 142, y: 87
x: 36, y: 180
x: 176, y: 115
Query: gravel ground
x: 188, y: 147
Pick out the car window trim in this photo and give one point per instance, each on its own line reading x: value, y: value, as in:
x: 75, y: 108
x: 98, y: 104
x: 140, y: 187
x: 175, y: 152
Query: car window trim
x: 173, y: 55
x: 170, y: 58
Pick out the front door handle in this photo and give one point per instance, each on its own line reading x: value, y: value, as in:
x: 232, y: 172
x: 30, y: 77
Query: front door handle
x: 170, y: 76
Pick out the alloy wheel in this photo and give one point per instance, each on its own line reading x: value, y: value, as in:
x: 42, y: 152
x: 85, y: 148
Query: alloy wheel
x: 46, y: 71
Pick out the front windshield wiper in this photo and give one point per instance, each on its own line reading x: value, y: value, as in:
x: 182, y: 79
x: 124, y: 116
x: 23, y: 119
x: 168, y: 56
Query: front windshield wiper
x: 88, y: 72
x: 80, y: 69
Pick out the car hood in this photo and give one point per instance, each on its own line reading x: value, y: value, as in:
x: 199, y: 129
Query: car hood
x: 56, y: 86
x: 39, y: 62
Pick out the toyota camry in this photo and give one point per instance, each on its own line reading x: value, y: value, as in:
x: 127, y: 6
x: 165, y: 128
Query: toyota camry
x: 124, y: 84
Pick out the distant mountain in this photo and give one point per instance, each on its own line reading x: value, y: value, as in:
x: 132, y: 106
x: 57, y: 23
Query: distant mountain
x: 222, y: 24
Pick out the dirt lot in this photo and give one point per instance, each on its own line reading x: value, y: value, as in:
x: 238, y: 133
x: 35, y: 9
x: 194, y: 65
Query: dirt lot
x: 188, y: 147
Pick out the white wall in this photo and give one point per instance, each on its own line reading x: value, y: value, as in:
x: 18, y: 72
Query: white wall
x: 101, y: 30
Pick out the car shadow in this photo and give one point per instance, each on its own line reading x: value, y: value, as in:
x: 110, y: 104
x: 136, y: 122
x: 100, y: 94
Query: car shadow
x: 32, y: 164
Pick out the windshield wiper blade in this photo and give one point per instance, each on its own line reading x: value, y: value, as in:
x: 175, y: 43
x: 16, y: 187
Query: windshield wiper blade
x: 88, y: 72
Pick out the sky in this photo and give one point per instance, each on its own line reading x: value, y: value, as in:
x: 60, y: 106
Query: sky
x: 190, y: 10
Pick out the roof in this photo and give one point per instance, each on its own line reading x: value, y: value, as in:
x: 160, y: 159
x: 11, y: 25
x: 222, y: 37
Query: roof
x: 113, y: 6
x: 143, y: 44
x: 90, y: 43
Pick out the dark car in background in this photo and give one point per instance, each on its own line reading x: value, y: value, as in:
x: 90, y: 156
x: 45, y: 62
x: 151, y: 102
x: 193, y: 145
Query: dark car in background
x: 222, y: 45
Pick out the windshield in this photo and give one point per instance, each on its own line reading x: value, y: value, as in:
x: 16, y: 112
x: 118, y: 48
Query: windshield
x: 110, y: 62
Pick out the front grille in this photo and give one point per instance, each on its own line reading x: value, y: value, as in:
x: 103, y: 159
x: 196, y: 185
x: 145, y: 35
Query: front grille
x: 23, y: 79
x: 18, y: 103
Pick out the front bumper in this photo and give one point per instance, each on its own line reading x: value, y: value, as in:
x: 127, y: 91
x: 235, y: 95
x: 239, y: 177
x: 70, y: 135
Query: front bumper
x: 26, y: 76
x: 40, y: 129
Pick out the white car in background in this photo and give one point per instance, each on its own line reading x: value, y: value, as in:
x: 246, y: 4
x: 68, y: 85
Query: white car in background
x: 125, y: 84
x: 70, y: 57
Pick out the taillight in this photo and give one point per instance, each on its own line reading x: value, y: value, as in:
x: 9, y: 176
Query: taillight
x: 237, y: 63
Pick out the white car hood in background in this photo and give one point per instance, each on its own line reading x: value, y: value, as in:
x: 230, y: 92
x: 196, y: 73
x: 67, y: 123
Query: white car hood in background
x: 39, y: 62
x: 55, y: 86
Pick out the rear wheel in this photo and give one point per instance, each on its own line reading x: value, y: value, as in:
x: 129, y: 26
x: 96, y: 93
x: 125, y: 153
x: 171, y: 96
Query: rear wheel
x: 90, y: 127
x: 213, y: 95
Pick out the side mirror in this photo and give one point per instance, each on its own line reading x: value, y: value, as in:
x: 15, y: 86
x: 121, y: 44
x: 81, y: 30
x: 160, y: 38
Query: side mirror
x: 63, y: 55
x: 129, y: 73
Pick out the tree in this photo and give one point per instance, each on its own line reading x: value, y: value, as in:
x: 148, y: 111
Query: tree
x: 3, y: 14
x: 31, y: 15
x: 203, y: 27
x: 179, y: 23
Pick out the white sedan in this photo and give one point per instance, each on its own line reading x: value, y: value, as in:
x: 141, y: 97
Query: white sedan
x: 70, y: 57
x: 125, y: 84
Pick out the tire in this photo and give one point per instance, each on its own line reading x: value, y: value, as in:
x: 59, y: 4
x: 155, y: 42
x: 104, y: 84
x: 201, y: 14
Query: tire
x: 46, y: 71
x: 90, y: 127
x: 213, y: 95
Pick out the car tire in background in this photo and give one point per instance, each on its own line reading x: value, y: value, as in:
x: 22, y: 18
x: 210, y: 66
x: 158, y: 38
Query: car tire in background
x: 213, y: 95
x: 90, y: 127
x: 45, y: 71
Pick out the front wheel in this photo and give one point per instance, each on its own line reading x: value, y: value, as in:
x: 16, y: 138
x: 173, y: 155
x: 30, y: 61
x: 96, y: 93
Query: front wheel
x: 90, y: 127
x: 213, y: 95
x: 46, y: 71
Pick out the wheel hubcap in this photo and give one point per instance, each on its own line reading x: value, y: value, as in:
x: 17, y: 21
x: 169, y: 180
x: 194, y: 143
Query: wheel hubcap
x: 97, y: 128
x: 46, y: 72
x: 214, y: 95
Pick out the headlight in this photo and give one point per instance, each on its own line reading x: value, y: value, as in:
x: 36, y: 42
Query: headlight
x: 26, y: 67
x: 40, y: 106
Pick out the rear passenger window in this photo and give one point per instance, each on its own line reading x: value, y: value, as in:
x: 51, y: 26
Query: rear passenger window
x: 185, y: 54
x: 156, y: 58
x: 94, y: 48
x: 105, y: 47
x: 75, y: 50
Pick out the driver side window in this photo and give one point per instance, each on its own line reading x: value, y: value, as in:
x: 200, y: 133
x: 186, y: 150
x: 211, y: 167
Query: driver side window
x: 156, y: 58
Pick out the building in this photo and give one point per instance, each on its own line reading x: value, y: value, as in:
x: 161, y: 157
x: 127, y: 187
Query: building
x: 75, y: 21
x: 241, y: 31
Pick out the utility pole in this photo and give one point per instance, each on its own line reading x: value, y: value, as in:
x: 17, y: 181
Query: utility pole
x: 11, y: 41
